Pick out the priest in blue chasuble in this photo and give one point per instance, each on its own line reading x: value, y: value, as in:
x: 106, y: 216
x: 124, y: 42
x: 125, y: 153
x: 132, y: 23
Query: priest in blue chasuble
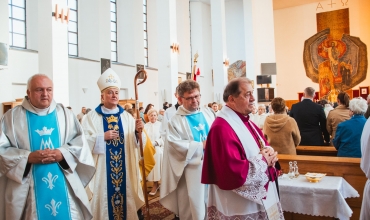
x: 181, y: 189
x: 116, y: 190
x: 45, y: 161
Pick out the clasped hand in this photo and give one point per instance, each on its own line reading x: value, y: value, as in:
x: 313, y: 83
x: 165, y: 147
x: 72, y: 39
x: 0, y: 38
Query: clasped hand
x: 270, y: 155
x: 45, y: 156
x: 111, y: 135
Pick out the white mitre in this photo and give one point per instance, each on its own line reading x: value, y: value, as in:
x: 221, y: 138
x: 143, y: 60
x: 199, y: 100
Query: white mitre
x: 109, y: 79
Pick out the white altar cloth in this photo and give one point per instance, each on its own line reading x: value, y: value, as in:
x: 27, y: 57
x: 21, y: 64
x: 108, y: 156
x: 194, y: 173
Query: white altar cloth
x: 325, y: 198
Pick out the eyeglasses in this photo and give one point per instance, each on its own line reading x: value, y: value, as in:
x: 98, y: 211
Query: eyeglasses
x: 197, y: 97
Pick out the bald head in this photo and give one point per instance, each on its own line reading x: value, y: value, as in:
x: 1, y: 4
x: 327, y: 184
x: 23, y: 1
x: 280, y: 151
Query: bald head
x: 40, y: 91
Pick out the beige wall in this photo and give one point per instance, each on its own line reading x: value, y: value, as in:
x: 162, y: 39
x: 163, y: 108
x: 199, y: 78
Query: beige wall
x: 296, y: 24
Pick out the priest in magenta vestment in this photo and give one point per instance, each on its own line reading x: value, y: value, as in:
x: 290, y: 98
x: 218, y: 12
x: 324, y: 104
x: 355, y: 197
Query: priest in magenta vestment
x: 238, y: 163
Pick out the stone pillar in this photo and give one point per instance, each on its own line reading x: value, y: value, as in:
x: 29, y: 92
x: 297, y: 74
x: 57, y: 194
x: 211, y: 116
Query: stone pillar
x: 167, y: 60
x: 53, y: 48
x: 218, y: 47
x: 259, y: 37
x: 201, y: 44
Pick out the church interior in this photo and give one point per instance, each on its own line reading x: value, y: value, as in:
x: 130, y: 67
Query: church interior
x: 297, y: 44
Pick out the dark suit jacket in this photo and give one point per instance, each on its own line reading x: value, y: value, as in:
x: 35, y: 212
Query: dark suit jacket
x: 311, y: 121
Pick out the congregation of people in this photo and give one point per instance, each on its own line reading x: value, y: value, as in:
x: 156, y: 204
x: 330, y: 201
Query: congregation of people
x: 209, y: 161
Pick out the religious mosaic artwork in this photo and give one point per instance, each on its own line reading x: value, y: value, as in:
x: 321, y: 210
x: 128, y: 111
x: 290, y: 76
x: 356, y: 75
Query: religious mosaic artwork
x: 237, y: 69
x: 332, y: 57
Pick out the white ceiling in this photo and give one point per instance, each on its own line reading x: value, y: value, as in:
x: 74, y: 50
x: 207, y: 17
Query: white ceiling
x: 278, y: 4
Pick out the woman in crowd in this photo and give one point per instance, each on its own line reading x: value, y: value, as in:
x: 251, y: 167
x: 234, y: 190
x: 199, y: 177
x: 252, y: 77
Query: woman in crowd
x: 152, y: 128
x: 348, y: 134
x: 253, y: 113
x: 141, y: 111
x: 338, y: 115
x: 259, y: 119
x: 326, y: 106
x: 148, y: 107
x: 281, y: 130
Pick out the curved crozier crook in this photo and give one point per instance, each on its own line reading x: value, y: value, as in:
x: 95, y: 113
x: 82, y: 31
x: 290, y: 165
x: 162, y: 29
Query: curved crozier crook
x: 137, y: 75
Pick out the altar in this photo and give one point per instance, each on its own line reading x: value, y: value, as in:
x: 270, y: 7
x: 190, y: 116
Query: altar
x: 325, y: 198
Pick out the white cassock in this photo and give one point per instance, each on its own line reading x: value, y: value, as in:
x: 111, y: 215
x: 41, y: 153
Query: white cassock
x: 252, y: 116
x: 181, y: 189
x: 92, y: 124
x: 259, y: 120
x: 152, y: 130
x: 168, y: 114
x: 17, y: 194
x: 365, y: 166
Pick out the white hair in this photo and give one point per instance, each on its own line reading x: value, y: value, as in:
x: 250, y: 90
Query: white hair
x: 34, y: 76
x: 358, y: 106
x: 262, y: 105
x: 151, y: 111
x: 368, y: 97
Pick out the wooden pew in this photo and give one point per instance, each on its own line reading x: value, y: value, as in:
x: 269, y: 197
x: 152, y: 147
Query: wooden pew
x: 317, y: 150
x: 348, y: 168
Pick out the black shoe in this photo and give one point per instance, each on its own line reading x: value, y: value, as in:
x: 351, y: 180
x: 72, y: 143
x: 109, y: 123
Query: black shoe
x: 176, y: 217
x: 140, y: 214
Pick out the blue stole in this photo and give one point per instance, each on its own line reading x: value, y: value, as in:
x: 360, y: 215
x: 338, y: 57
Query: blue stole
x: 115, y: 165
x: 198, y: 126
x: 50, y: 184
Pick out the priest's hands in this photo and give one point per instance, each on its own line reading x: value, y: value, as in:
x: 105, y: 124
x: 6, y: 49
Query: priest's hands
x: 45, y: 156
x: 139, y: 124
x: 110, y: 135
x: 270, y: 155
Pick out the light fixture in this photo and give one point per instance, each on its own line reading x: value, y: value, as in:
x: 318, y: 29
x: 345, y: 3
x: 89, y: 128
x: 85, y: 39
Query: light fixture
x: 175, y: 48
x: 60, y: 15
x: 226, y: 62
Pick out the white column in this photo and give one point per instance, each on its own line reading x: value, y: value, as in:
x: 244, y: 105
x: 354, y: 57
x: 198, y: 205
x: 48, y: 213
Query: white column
x: 259, y: 37
x: 6, y: 83
x: 53, y: 48
x: 201, y: 43
x: 218, y: 47
x: 130, y: 32
x: 167, y: 61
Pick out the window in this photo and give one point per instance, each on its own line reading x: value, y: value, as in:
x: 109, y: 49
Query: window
x: 17, y: 23
x: 113, y: 30
x: 145, y: 32
x: 73, y: 28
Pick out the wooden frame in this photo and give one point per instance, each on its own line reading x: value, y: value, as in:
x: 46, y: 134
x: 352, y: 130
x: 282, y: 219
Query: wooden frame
x: 364, y: 92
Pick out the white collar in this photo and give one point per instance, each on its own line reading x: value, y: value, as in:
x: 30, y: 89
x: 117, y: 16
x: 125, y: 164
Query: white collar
x: 40, y: 111
x: 109, y: 111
